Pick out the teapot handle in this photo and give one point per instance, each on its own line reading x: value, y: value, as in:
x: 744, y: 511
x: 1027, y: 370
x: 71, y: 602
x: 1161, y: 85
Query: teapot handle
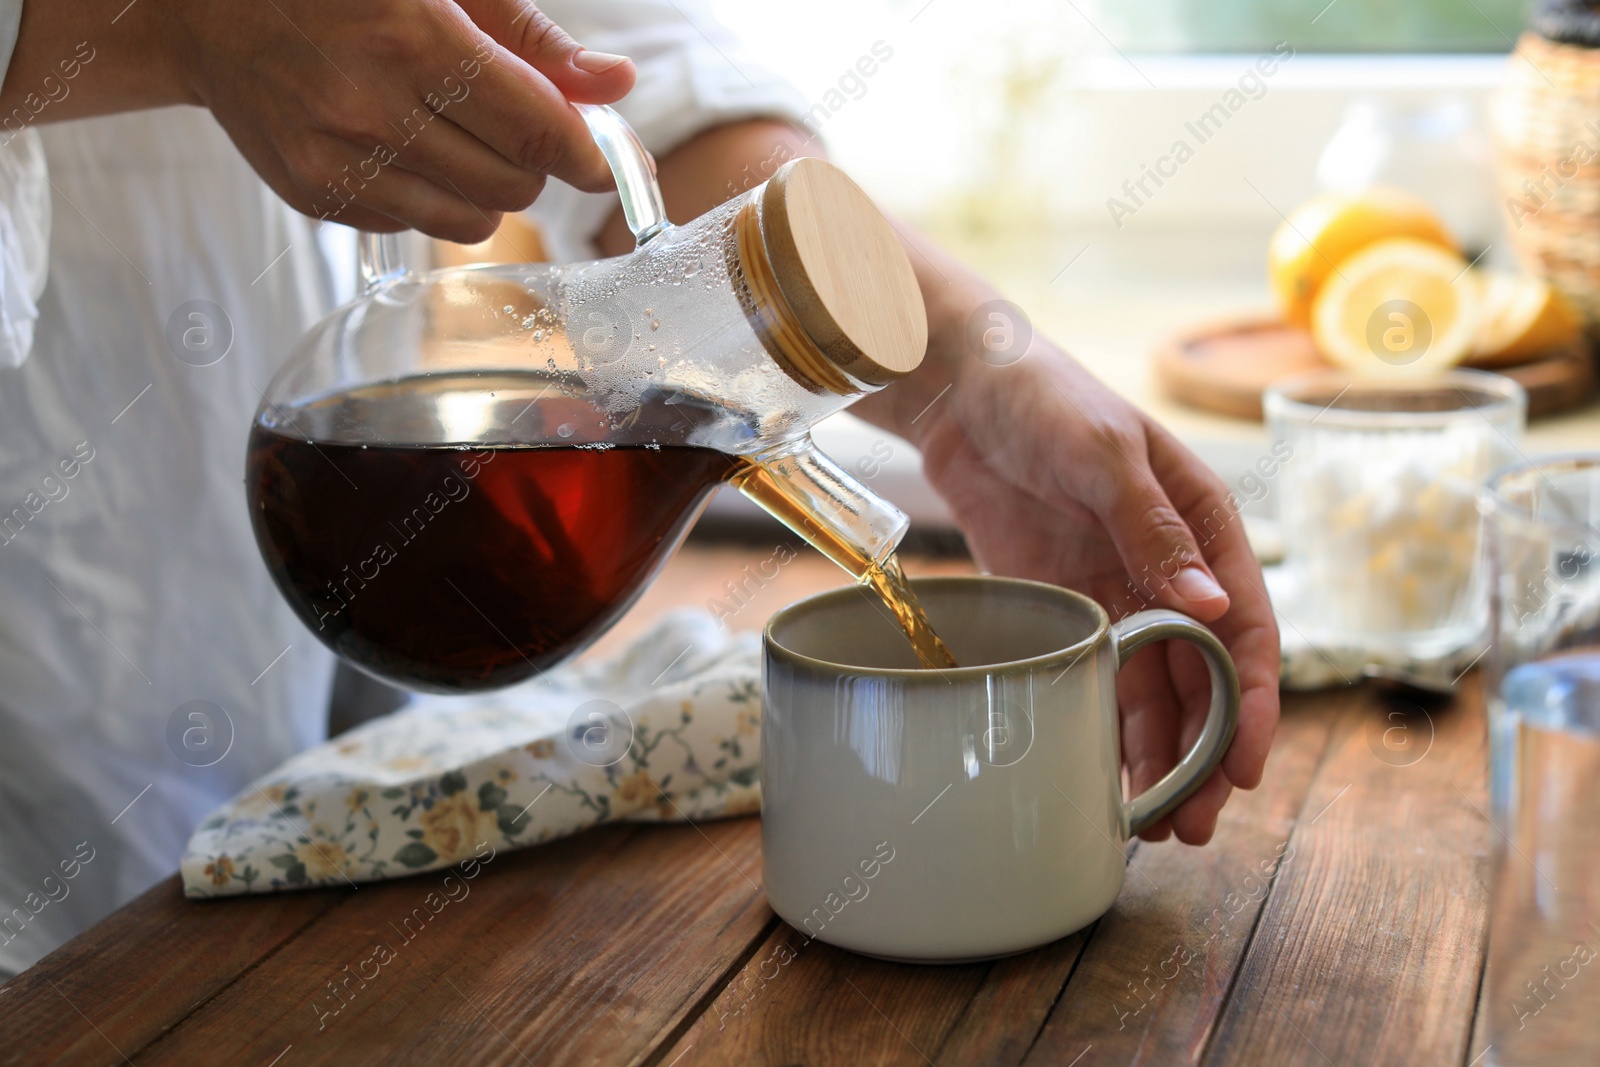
x: 631, y: 166
x: 381, y: 262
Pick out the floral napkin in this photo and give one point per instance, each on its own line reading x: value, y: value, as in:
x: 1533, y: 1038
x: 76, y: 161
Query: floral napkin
x: 666, y: 731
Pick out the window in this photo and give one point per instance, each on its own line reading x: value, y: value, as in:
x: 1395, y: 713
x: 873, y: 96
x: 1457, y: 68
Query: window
x: 1152, y: 26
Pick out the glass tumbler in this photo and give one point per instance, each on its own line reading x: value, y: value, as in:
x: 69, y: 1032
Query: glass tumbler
x: 1378, y: 504
x: 1543, y: 681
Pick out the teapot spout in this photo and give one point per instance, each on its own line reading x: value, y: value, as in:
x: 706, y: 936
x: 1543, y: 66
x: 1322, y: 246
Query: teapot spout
x: 817, y: 499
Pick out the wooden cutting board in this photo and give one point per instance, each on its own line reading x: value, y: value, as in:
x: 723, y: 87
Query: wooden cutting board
x: 1223, y: 367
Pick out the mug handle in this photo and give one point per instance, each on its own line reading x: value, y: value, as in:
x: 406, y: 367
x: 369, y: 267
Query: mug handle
x: 1147, y: 627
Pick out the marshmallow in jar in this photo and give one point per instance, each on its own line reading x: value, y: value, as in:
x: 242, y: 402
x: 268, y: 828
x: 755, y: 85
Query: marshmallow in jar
x: 1379, y: 502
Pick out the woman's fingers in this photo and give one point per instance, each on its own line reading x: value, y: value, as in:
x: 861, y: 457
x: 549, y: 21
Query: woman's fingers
x: 582, y: 76
x: 517, y: 112
x: 1179, y: 513
x: 1154, y: 540
x: 1150, y: 727
x: 1252, y: 640
x: 457, y: 162
x: 405, y: 109
x: 1249, y: 628
x: 530, y: 76
x: 1250, y: 632
x: 1196, y: 819
x: 410, y: 201
x: 1164, y: 693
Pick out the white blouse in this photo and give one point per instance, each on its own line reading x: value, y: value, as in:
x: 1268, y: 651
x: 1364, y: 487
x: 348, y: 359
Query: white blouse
x: 130, y: 584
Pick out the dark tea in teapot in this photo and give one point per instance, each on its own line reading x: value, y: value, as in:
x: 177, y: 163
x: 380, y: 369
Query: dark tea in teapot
x: 453, y: 568
x: 448, y: 568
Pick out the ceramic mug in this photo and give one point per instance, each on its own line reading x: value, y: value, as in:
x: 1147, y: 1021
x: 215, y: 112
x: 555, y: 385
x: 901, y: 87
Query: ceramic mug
x: 955, y: 815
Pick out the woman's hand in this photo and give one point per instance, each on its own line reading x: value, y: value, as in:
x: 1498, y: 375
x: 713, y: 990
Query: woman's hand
x: 380, y: 114
x: 1051, y: 476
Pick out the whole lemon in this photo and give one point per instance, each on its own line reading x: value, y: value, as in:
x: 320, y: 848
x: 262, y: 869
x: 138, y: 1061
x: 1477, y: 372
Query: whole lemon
x: 1329, y: 228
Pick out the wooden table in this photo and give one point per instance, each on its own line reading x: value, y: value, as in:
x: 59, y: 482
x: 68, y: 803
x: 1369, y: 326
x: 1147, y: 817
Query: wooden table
x: 654, y: 945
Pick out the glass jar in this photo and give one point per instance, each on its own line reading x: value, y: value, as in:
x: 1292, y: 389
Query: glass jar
x: 1543, y: 685
x: 1379, y: 503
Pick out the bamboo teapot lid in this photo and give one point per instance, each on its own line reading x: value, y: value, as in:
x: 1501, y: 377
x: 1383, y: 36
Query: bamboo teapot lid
x: 841, y: 277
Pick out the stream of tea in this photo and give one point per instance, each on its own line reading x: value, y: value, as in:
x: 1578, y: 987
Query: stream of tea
x: 451, y: 568
x: 887, y: 579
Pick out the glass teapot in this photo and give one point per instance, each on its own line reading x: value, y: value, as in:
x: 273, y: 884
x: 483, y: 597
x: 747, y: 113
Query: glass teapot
x: 465, y: 476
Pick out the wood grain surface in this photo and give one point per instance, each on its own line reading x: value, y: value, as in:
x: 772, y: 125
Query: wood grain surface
x: 579, y: 952
x: 1370, y: 948
x: 110, y: 992
x: 1337, y: 917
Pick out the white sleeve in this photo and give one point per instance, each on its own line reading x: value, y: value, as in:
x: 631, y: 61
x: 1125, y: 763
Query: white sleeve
x: 693, y: 75
x: 24, y: 217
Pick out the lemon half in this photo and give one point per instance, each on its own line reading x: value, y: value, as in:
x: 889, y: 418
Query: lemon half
x: 1398, y: 307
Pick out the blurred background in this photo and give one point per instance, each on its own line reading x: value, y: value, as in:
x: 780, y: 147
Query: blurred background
x: 1009, y: 132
